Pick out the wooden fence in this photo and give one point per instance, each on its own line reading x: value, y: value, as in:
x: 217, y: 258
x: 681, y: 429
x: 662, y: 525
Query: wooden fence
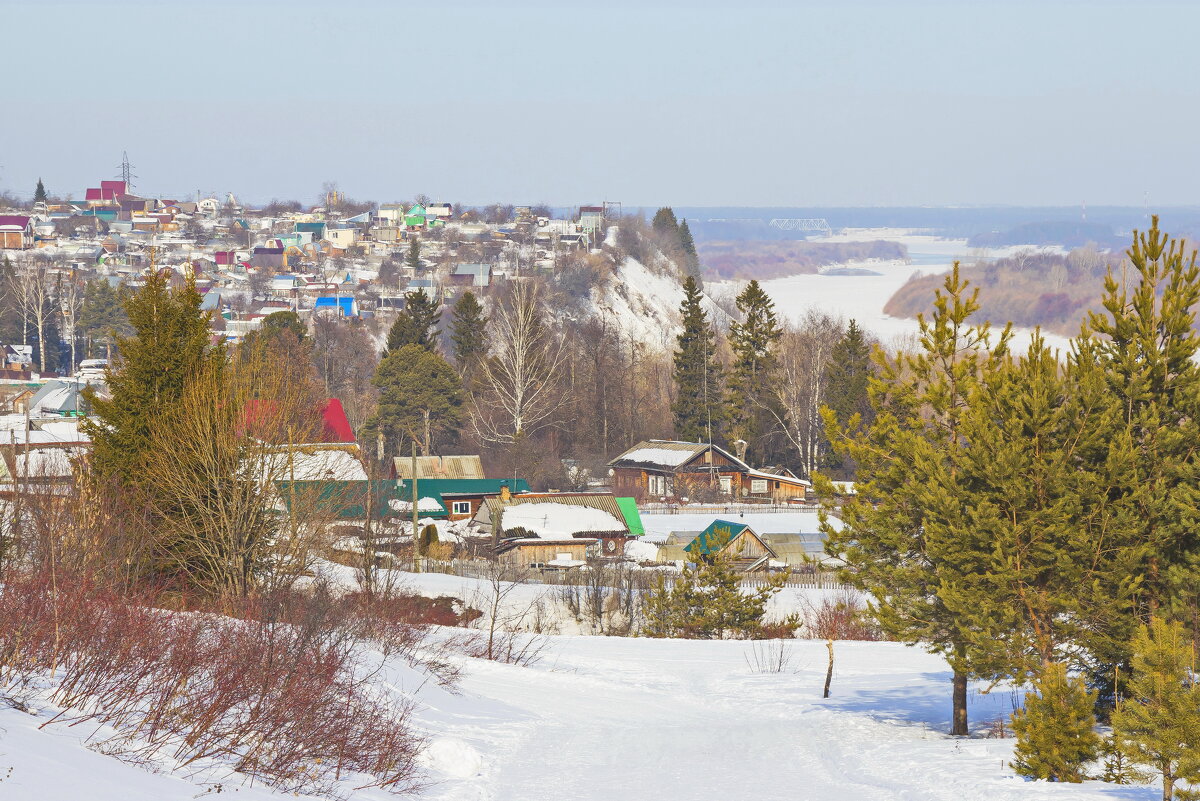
x: 478, y: 568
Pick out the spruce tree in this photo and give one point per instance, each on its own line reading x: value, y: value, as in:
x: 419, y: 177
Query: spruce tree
x: 691, y: 259
x: 707, y: 602
x: 416, y: 324
x: 755, y: 413
x: 1056, y: 729
x: 420, y: 399
x: 699, y: 406
x: 102, y: 315
x: 898, y: 540
x: 413, y: 259
x: 39, y: 194
x: 847, y: 376
x: 170, y: 344
x: 665, y: 225
x: 1158, y: 723
x: 468, y: 332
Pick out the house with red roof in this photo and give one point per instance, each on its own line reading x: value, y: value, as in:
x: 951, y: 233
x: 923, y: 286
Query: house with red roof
x: 16, y: 232
x: 107, y: 194
x: 334, y: 423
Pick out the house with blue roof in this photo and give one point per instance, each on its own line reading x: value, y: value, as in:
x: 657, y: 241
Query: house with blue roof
x: 339, y: 305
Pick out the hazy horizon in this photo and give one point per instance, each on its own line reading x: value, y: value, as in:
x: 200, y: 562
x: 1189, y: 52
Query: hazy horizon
x: 855, y: 104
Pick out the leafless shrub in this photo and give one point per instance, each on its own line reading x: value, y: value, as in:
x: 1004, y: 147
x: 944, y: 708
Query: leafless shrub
x: 282, y: 694
x: 769, y: 656
x: 606, y: 599
x: 841, y: 617
x: 505, y: 631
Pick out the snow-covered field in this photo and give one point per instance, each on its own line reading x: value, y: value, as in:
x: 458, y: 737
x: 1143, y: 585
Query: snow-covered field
x: 862, y: 297
x: 612, y: 718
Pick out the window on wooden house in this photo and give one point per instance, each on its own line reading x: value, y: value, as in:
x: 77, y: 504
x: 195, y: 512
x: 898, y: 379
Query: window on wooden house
x: 461, y: 508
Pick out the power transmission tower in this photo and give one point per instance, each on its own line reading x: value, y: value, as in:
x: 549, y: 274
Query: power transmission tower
x: 127, y: 171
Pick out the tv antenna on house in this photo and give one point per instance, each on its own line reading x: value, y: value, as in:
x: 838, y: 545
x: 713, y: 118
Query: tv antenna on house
x: 127, y: 170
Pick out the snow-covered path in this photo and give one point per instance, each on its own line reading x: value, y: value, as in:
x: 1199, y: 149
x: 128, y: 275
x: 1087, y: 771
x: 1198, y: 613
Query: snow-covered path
x: 613, y: 718
x: 607, y: 718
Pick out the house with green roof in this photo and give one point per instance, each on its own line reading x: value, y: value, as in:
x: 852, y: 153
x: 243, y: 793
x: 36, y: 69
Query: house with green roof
x: 415, y: 217
x: 736, y: 542
x: 317, y: 229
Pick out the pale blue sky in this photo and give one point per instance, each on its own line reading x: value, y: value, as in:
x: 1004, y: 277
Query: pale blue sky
x: 689, y: 103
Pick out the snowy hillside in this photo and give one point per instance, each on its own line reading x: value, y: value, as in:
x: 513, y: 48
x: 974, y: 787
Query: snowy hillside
x: 643, y: 302
x: 611, y: 718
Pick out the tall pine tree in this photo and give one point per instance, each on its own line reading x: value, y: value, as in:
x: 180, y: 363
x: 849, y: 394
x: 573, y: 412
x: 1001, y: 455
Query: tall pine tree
x: 416, y: 324
x: 468, y: 332
x: 699, y: 403
x: 665, y: 225
x: 39, y: 194
x: 1146, y: 347
x: 898, y: 540
x: 755, y: 413
x: 691, y: 259
x: 1046, y: 583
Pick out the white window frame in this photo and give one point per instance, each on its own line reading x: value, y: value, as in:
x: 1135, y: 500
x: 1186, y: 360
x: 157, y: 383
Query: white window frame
x: 726, y: 484
x: 460, y: 508
x: 758, y: 485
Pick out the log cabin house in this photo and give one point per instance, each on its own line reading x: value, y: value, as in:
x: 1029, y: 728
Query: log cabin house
x: 557, y: 517
x: 737, y: 542
x: 668, y: 470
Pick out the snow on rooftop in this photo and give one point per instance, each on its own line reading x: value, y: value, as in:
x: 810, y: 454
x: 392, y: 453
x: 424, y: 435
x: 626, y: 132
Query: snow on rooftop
x: 47, y: 463
x: 423, y: 505
x: 332, y: 465
x: 552, y: 520
x: 640, y: 551
x: 669, y: 457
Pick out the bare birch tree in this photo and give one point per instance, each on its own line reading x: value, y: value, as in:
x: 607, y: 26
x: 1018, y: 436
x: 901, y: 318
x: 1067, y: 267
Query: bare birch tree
x: 32, y: 293
x: 803, y: 356
x: 519, y: 389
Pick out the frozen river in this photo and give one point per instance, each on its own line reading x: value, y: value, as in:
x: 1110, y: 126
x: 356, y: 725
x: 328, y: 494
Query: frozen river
x: 862, y: 297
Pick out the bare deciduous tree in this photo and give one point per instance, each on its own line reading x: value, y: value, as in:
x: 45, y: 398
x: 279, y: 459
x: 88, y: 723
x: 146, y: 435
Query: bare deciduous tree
x: 518, y: 390
x: 803, y: 358
x: 32, y: 293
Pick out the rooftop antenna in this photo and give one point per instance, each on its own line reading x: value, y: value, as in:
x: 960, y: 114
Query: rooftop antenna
x: 127, y: 170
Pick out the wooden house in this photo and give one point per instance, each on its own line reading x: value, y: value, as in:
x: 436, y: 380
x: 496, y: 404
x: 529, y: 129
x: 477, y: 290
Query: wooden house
x: 666, y: 469
x: 595, y: 516
x: 459, y: 498
x: 16, y: 232
x: 736, y: 542
x: 545, y: 554
x: 671, y: 470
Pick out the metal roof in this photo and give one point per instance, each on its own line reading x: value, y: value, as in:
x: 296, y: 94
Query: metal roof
x: 440, y: 467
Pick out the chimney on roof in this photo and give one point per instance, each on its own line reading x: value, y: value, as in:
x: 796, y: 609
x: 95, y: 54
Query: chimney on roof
x: 505, y: 493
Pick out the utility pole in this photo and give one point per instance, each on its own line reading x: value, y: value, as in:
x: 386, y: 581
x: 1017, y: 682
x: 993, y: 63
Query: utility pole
x: 415, y: 537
